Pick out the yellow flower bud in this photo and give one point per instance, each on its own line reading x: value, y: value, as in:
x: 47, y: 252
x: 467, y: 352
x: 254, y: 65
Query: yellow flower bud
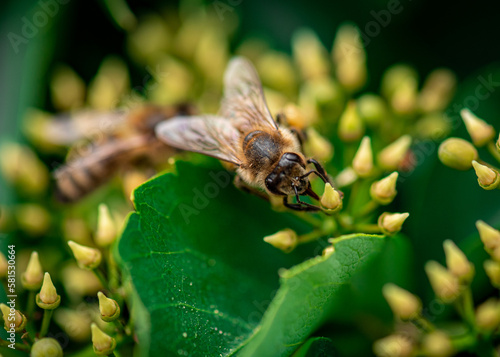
x: 286, y: 240
x: 86, y: 257
x: 33, y: 218
x: 318, y: 146
x: 498, y: 142
x: 437, y: 90
x: 46, y: 347
x: 393, y: 155
x: 487, y: 178
x: 103, y: 344
x: 396, y: 75
x: 19, y: 320
x: 75, y: 323
x: 363, y: 160
x: 457, y: 153
x: 457, y: 262
x: 349, y: 57
x: 444, y: 283
x: 403, y: 304
x: 488, y: 315
x: 47, y: 298
x: 20, y: 166
x: 67, y: 89
x: 3, y: 266
x: 480, y: 132
x: 393, y: 346
x: 346, y: 177
x: 489, y: 235
x: 492, y: 269
x: 295, y: 117
x: 310, y: 54
x: 437, y: 344
x: 372, y: 109
x: 391, y: 223
x: 331, y: 198
x: 384, y: 191
x: 351, y: 127
x: 106, y: 227
x: 109, y: 308
x: 404, y: 99
x: 33, y: 276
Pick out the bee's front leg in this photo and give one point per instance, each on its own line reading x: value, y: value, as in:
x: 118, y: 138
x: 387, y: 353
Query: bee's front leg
x: 320, y: 170
x: 300, y: 206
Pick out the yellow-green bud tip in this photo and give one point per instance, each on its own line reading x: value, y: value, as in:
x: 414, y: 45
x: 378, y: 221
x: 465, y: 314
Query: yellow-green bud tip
x: 403, y: 304
x: 88, y: 258
x: 363, y: 160
x: 444, y: 283
x: 480, y: 132
x: 487, y: 178
x: 384, y: 191
x: 33, y: 276
x: 351, y: 126
x: 319, y: 147
x: 108, y: 308
x: 48, y: 293
x: 492, y: 269
x: 106, y: 227
x: 457, y: 153
x: 488, y: 315
x: 457, y: 262
x: 391, y: 223
x: 489, y: 235
x: 286, y: 240
x: 331, y: 198
x: 103, y: 343
x: 46, y: 347
x: 19, y: 319
x: 393, y: 346
x: 437, y: 344
x: 3, y: 263
x: 391, y: 157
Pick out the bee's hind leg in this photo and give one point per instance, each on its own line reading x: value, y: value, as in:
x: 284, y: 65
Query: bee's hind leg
x: 242, y: 185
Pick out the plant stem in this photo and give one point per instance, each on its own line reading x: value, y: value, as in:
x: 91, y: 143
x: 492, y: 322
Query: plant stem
x: 47, y: 315
x: 309, y: 219
x: 366, y: 228
x: 101, y: 278
x: 30, y: 308
x: 367, y: 209
x: 466, y: 307
x: 17, y: 346
x: 311, y: 236
x: 492, y: 148
x: 424, y: 324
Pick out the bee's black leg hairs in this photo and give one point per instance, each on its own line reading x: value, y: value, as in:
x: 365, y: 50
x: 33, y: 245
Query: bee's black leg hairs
x: 242, y: 185
x: 320, y: 170
x: 300, y: 206
x: 300, y: 137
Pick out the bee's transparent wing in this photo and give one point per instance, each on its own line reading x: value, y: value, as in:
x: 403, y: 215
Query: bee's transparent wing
x: 244, y: 101
x: 66, y: 129
x: 209, y: 135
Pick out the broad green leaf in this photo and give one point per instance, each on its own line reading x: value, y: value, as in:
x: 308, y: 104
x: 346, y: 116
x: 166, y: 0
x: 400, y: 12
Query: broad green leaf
x: 316, y: 347
x: 202, y: 277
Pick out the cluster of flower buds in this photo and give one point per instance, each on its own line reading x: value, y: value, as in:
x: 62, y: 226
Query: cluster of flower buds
x: 459, y: 154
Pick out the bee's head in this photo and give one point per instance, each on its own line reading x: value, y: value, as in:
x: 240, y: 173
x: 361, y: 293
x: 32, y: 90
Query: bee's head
x: 289, y: 176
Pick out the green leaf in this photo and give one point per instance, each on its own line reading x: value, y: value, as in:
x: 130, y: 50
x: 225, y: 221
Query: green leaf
x: 316, y: 347
x: 203, y: 278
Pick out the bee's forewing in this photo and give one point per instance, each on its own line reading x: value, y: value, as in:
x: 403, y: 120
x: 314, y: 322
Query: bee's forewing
x: 66, y: 129
x: 244, y: 100
x: 209, y: 135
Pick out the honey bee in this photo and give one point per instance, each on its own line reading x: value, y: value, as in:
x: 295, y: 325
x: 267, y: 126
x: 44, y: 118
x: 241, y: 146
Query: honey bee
x: 125, y: 137
x: 268, y: 157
